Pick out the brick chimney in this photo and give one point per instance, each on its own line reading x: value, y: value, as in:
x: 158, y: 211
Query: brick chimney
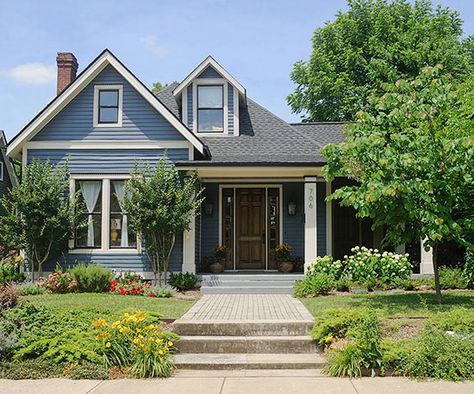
x: 67, y: 69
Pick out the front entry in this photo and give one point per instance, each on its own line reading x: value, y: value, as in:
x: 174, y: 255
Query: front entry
x: 250, y: 223
x: 250, y: 226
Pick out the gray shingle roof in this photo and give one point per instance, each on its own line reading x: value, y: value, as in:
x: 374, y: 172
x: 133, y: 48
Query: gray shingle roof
x: 265, y: 138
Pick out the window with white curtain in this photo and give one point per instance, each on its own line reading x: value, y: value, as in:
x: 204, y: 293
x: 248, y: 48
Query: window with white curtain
x: 90, y: 196
x: 120, y: 234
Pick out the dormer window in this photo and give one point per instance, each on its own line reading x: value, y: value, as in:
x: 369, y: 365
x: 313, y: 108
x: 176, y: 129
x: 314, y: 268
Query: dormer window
x: 108, y: 106
x: 210, y: 108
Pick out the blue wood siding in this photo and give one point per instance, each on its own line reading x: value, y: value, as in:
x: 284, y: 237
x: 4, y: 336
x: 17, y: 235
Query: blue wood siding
x: 190, y: 106
x: 210, y: 223
x: 293, y: 226
x: 140, y: 121
x: 113, y: 161
x: 6, y: 184
x: 230, y: 108
x: 321, y: 218
x: 119, y: 261
x: 209, y: 72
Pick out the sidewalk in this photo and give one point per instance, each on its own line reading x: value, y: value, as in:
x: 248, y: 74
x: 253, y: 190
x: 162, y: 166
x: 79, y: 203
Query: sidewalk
x: 230, y: 382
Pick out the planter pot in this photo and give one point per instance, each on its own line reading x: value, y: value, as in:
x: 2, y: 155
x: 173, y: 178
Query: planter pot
x: 216, y: 267
x: 286, y: 266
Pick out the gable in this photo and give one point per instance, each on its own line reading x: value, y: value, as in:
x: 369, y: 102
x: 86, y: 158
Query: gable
x: 140, y: 121
x: 210, y: 72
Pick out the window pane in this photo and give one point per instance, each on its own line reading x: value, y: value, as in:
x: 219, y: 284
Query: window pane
x: 90, y: 202
x: 108, y: 115
x: 82, y: 234
x: 108, y: 98
x: 210, y: 96
x: 211, y: 120
x: 121, y: 235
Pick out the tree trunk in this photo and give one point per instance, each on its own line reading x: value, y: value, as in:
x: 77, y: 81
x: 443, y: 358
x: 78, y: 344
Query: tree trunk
x: 439, y: 299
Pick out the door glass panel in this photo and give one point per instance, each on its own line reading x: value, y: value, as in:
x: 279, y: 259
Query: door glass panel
x: 228, y: 224
x: 273, y: 225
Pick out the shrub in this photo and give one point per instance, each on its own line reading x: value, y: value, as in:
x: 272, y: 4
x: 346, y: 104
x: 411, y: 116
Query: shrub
x: 468, y: 271
x: 91, y: 278
x: 343, y: 284
x: 160, y: 292
x: 459, y: 320
x: 8, y: 297
x: 29, y: 288
x: 313, y: 286
x: 136, y: 341
x: 59, y: 282
x: 135, y: 287
x: 182, y: 281
x: 86, y: 370
x: 368, y: 264
x: 9, y: 273
x: 7, y: 344
x: 325, y: 265
x: 30, y: 369
x: 452, y: 278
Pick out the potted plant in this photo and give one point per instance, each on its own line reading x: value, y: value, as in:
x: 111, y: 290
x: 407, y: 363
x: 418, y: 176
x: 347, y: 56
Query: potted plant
x: 220, y: 255
x: 283, y: 257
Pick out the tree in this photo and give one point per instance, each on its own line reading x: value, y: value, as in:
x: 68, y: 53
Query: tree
x: 40, y: 217
x: 412, y: 154
x: 160, y: 204
x: 374, y: 42
x: 158, y: 86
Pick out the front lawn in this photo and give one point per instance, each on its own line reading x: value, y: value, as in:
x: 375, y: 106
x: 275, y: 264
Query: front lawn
x: 420, y: 304
x: 111, y: 304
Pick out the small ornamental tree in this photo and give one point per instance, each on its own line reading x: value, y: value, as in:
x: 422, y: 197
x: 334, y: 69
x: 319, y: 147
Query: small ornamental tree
x: 160, y: 204
x: 40, y: 217
x: 411, y: 152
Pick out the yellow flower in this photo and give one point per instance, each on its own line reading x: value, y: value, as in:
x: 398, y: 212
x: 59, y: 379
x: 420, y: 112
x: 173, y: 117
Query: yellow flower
x: 136, y: 340
x: 329, y: 339
x: 170, y: 343
x: 108, y: 344
x: 161, y: 352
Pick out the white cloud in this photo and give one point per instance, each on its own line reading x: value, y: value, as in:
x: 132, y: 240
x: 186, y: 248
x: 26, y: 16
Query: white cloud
x: 152, y: 43
x: 33, y: 74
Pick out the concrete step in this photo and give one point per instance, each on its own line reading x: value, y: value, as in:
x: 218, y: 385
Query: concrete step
x: 242, y: 328
x: 244, y: 283
x: 249, y: 361
x: 251, y: 277
x: 254, y: 289
x: 246, y: 344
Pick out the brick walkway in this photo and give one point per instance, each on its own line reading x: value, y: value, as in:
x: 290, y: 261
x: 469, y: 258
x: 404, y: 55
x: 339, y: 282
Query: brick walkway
x: 247, y: 307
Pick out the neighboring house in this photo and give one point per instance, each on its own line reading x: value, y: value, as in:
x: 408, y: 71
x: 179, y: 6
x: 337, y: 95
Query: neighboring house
x: 7, y: 173
x: 262, y: 176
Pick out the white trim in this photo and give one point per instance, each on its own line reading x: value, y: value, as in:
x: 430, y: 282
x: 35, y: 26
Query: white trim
x: 426, y: 263
x: 329, y: 207
x: 1, y: 170
x: 72, y: 194
x: 107, y: 58
x: 189, y: 248
x: 184, y: 103
x: 24, y: 158
x: 105, y: 241
x: 225, y: 109
x: 236, y: 112
x: 310, y: 223
x: 252, y: 180
x: 209, y: 61
x: 97, y: 89
x: 265, y: 186
x: 251, y: 172
x: 108, y: 144
x: 125, y: 251
x: 100, y: 176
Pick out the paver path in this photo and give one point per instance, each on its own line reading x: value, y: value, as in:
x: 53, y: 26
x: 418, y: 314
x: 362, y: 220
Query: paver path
x: 247, y: 307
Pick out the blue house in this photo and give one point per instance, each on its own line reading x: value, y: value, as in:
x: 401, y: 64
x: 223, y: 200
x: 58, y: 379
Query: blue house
x: 7, y: 173
x: 262, y: 176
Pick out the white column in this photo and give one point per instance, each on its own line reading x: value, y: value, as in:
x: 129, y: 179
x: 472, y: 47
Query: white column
x: 426, y: 263
x: 328, y: 220
x: 310, y: 230
x: 189, y: 248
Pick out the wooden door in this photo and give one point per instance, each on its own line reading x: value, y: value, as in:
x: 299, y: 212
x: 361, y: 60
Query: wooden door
x: 250, y: 228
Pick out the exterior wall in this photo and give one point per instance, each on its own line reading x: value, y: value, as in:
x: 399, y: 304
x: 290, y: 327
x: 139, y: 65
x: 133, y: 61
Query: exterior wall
x: 97, y: 161
x: 140, y: 121
x: 230, y: 109
x: 209, y: 72
x: 190, y: 105
x: 210, y: 223
x: 293, y: 226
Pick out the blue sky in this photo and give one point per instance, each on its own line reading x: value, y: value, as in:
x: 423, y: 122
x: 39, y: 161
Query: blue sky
x: 161, y: 40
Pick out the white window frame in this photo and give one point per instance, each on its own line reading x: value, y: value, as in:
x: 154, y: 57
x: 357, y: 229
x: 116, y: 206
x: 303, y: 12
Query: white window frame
x: 105, y: 225
x: 2, y: 169
x: 211, y: 82
x: 97, y: 89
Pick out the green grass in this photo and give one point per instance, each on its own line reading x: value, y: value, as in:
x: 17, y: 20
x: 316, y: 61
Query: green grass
x: 394, y: 305
x: 112, y: 304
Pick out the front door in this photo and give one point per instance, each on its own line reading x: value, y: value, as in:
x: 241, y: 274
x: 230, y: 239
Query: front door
x: 250, y: 228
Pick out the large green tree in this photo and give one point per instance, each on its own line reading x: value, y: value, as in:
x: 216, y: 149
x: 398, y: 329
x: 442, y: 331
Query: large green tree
x: 411, y: 152
x: 160, y: 204
x: 375, y: 41
x: 40, y: 217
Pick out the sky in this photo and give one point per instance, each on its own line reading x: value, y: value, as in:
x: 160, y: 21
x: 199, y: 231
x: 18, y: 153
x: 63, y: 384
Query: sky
x: 257, y: 41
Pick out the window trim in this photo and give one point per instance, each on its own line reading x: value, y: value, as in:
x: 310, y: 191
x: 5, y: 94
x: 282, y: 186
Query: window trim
x: 221, y: 108
x: 97, y: 89
x: 105, y: 239
x: 2, y: 170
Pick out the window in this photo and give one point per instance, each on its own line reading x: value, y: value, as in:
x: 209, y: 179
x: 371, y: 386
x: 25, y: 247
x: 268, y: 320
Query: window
x: 120, y: 235
x: 107, y: 106
x: 1, y: 171
x: 90, y: 201
x: 210, y: 104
